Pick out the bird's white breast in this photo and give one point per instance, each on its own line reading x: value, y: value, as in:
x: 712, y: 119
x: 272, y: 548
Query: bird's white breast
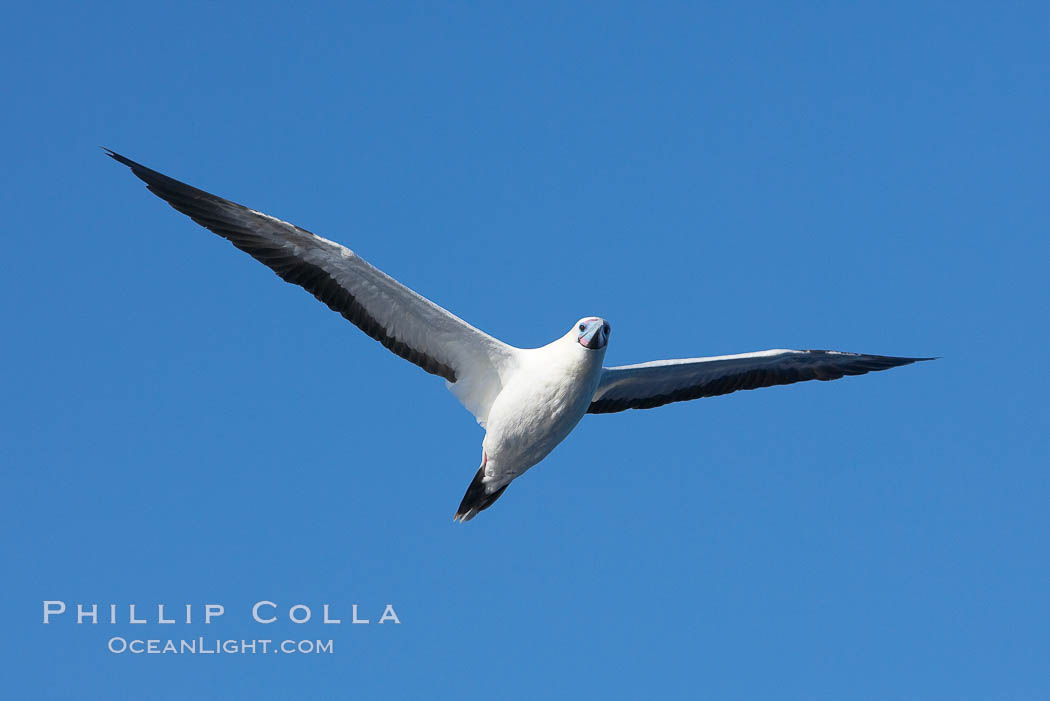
x: 539, y: 406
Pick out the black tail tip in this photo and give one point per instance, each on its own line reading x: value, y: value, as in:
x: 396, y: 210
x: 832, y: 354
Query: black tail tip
x: 477, y: 498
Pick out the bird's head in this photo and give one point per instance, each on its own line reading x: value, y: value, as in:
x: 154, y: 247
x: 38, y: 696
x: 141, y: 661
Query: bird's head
x: 592, y: 332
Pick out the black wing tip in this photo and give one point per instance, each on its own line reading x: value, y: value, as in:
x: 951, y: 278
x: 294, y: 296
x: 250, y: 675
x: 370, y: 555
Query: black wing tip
x: 908, y: 361
x: 897, y: 359
x: 904, y: 360
x: 163, y: 186
x: 145, y: 174
x: 118, y: 158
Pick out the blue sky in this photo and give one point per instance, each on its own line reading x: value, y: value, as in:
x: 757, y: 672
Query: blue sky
x: 181, y: 427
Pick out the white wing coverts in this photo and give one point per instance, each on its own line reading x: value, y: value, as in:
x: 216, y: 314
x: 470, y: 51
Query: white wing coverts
x: 473, y: 363
x: 660, y: 382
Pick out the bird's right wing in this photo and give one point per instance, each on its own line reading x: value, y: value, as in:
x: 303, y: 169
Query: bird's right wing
x: 473, y: 363
x: 660, y: 382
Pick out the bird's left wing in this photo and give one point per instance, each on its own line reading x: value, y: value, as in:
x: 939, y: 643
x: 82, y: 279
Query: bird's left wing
x: 473, y: 363
x: 660, y: 382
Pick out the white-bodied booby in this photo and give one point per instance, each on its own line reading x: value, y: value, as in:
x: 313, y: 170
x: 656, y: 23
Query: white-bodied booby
x: 527, y: 399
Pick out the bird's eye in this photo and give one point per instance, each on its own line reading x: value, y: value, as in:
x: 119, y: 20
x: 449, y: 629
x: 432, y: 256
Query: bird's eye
x: 607, y: 329
x: 583, y: 327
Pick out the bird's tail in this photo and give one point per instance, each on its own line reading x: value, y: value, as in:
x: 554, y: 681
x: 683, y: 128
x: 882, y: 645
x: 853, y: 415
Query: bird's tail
x: 477, y: 498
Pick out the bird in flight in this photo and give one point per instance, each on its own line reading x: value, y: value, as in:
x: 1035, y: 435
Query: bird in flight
x: 527, y: 399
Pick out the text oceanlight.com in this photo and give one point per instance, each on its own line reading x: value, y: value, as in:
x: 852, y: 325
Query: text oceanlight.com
x: 203, y: 646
